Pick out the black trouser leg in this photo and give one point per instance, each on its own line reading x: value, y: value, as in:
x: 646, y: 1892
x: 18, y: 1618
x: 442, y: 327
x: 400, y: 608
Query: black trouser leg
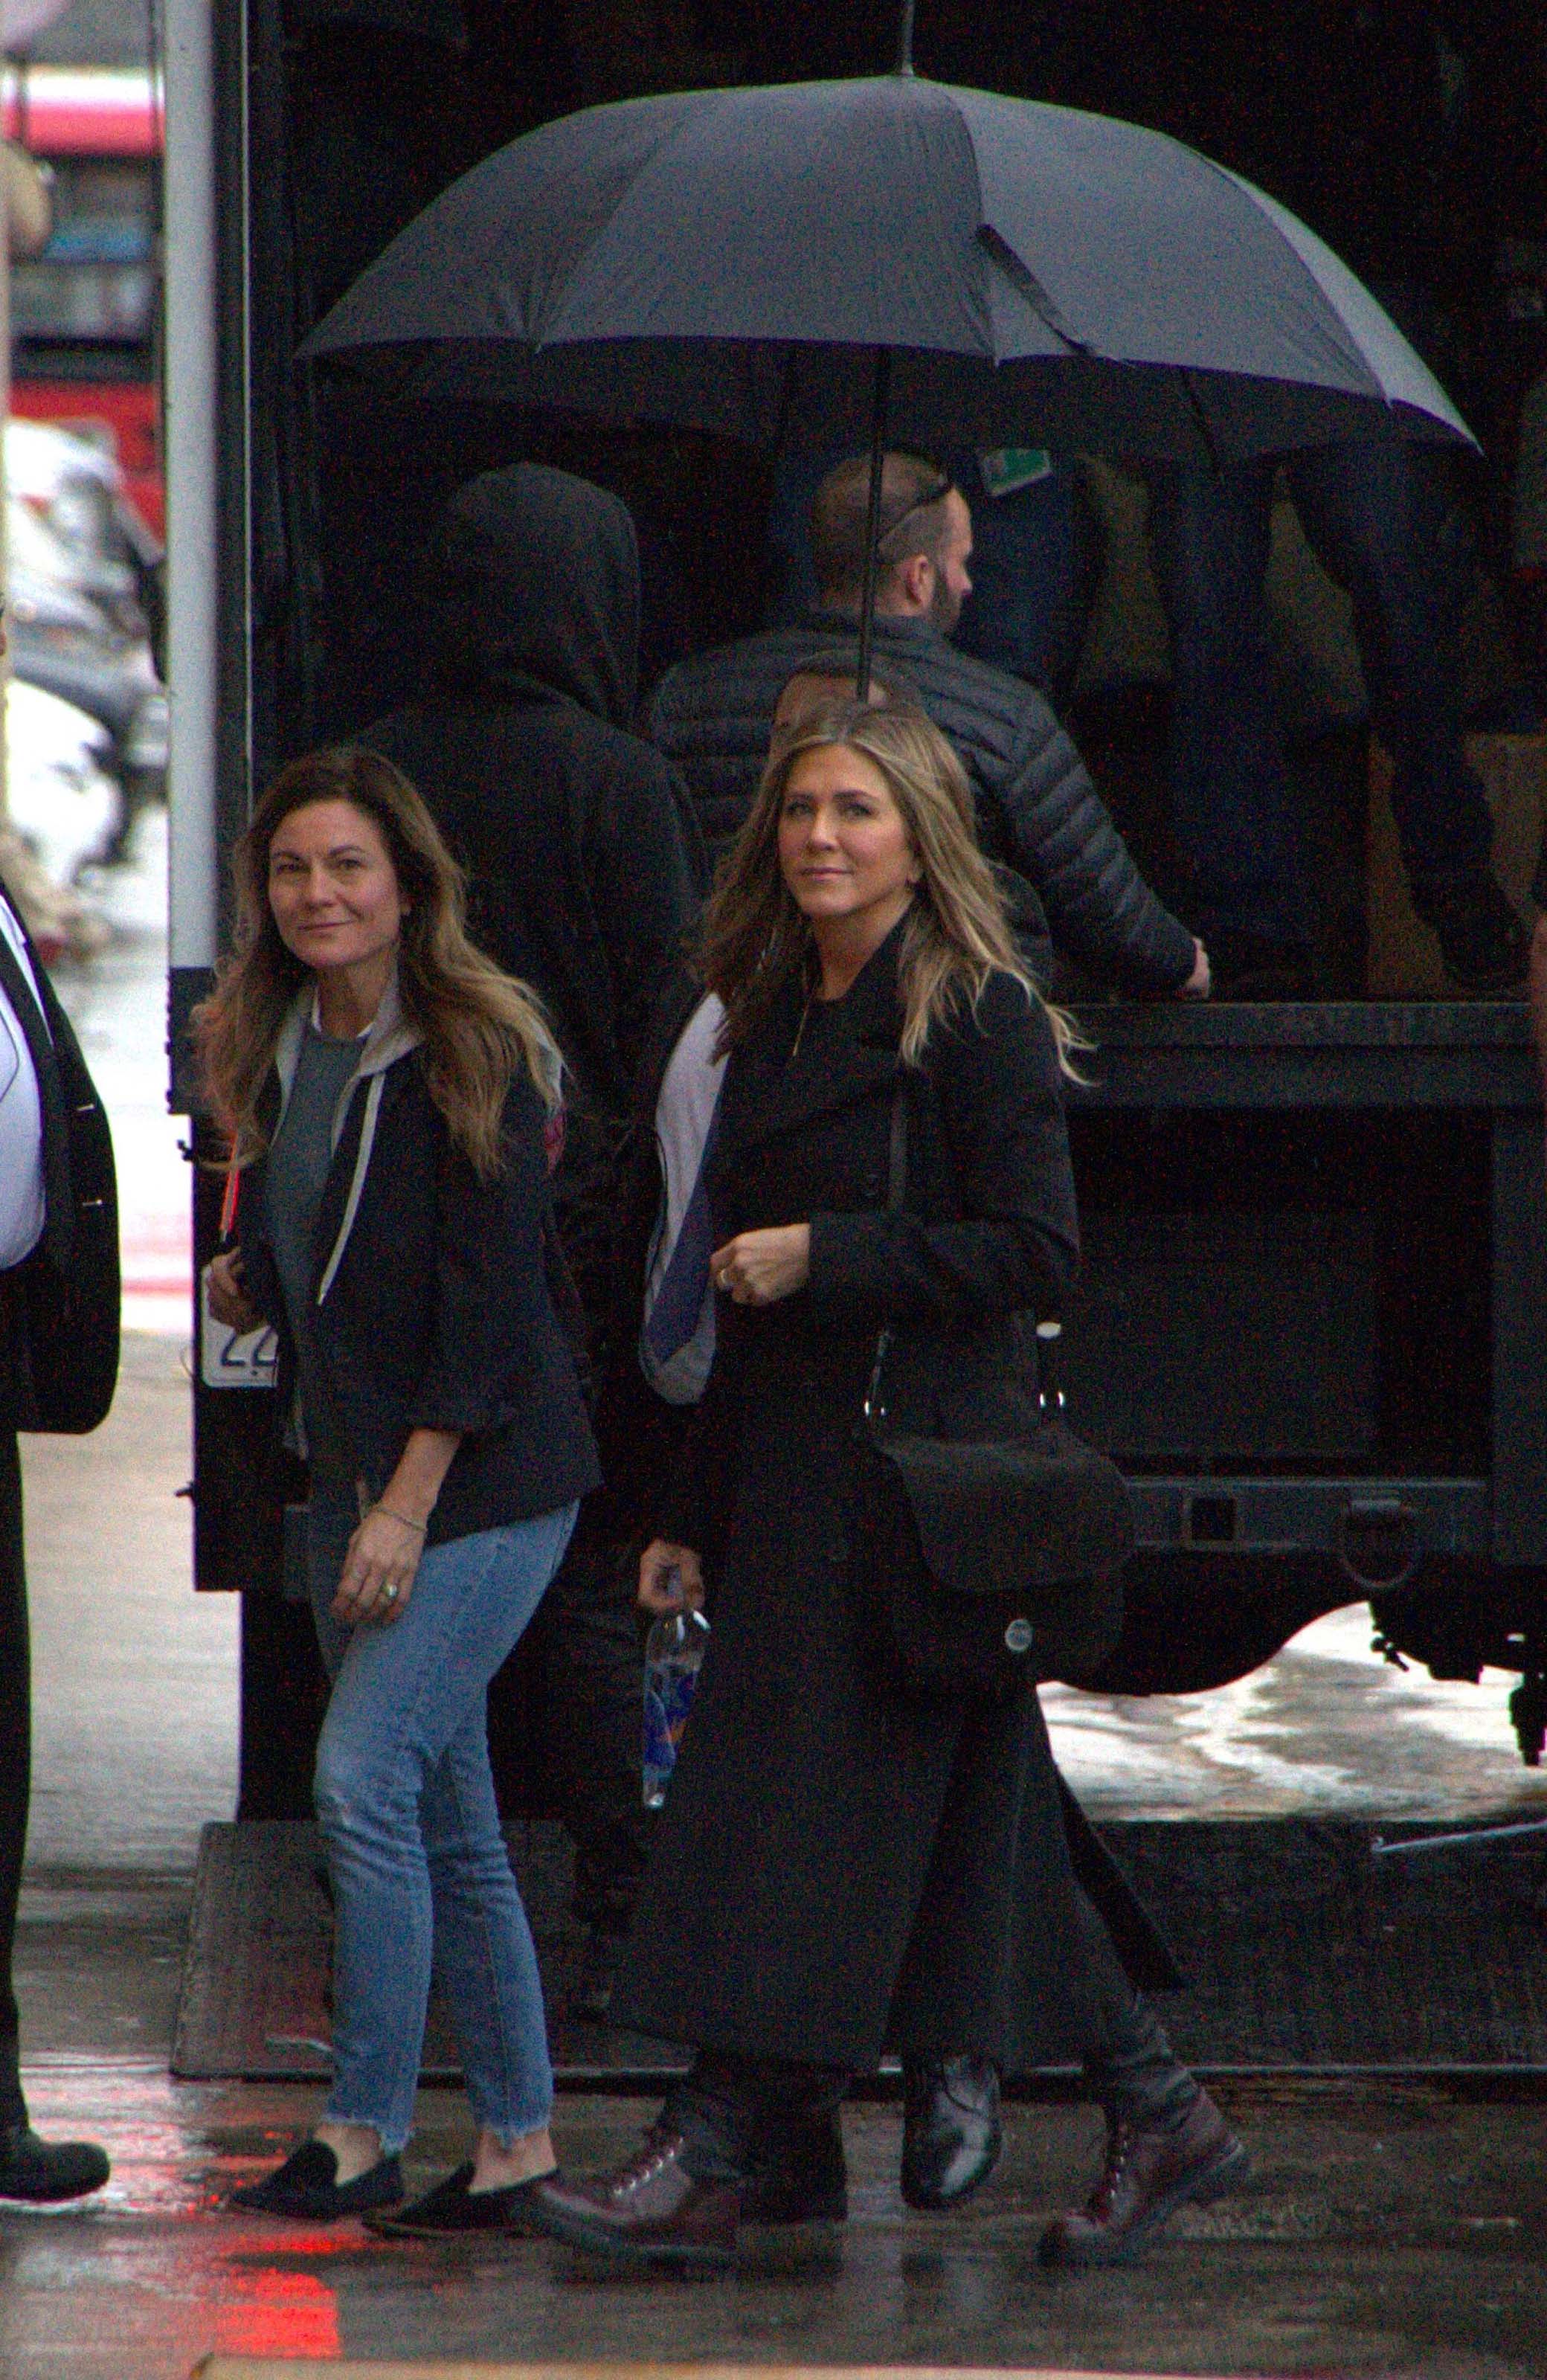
x: 14, y: 1761
x: 591, y: 1666
x: 1130, y: 2067
x: 740, y: 2116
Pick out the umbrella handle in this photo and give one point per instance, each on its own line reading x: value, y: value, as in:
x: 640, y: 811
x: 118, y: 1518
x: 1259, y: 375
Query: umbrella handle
x: 879, y: 399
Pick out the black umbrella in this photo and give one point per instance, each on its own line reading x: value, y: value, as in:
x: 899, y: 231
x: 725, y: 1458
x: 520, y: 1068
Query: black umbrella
x: 886, y: 258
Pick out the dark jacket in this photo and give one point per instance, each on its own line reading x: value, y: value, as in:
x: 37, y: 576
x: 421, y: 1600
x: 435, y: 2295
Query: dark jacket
x: 582, y: 848
x: 433, y: 1309
x: 840, y: 1868
x: 583, y: 852
x: 1038, y: 812
x: 60, y: 1308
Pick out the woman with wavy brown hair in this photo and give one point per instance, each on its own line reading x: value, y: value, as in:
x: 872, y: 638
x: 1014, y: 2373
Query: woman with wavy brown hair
x: 846, y: 1867
x: 392, y: 1098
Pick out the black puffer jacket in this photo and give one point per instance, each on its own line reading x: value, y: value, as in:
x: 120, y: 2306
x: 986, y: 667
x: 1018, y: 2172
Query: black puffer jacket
x: 1038, y: 811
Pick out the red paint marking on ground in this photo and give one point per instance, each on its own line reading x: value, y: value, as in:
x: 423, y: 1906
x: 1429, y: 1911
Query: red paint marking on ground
x: 278, y: 2314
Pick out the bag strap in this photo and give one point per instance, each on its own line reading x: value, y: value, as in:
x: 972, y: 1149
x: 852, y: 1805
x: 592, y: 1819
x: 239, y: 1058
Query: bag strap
x: 897, y: 1166
x: 1050, y: 1389
x: 897, y: 1193
x: 1048, y: 1332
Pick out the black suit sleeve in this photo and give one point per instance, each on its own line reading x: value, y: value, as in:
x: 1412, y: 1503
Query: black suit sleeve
x: 66, y: 1296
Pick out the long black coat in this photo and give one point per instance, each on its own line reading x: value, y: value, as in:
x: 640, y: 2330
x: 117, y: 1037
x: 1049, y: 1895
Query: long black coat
x: 840, y: 1870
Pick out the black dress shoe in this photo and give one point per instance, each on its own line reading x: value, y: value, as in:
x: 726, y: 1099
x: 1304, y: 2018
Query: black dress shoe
x: 1148, y: 2173
x: 651, y: 2213
x: 454, y: 2207
x: 307, y: 2184
x: 44, y: 2173
x: 951, y: 2130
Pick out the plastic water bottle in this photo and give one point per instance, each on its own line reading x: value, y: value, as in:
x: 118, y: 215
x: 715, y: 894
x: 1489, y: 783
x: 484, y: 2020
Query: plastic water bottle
x: 674, y: 1650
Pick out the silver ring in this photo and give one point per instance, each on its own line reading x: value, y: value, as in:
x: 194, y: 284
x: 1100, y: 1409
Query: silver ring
x: 390, y: 1593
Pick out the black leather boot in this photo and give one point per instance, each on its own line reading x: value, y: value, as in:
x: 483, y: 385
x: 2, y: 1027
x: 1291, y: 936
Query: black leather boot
x: 771, y: 2125
x: 798, y: 2177
x: 43, y: 2173
x: 951, y: 2130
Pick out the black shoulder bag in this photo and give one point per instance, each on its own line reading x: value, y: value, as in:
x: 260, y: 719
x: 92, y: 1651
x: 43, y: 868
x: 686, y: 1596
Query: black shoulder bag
x: 983, y: 1563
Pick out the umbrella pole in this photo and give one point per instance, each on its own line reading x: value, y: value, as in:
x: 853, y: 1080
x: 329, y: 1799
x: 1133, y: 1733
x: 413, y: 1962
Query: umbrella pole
x: 905, y: 38
x: 879, y: 395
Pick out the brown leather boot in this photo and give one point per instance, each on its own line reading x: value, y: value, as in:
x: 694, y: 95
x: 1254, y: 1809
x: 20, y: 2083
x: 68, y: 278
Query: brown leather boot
x: 1148, y: 2173
x: 650, y: 2211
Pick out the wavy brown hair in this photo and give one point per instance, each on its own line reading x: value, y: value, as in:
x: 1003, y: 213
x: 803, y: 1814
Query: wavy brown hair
x: 958, y: 934
x: 480, y: 1025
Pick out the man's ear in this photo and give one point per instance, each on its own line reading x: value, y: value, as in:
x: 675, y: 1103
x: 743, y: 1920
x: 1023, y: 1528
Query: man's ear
x: 915, y: 582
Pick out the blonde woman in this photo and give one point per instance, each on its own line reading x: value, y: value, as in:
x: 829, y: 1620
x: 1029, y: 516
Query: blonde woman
x: 844, y: 1870
x: 390, y: 1098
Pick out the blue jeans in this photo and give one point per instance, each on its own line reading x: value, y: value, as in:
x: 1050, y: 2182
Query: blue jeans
x: 405, y: 1801
x: 1377, y: 522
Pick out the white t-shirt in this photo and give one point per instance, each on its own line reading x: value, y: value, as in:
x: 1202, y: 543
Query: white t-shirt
x: 683, y: 1112
x: 22, y: 1169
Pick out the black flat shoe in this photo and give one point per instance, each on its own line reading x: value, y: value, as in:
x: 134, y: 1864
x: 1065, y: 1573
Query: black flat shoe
x: 44, y: 2173
x: 306, y: 2185
x: 951, y: 2130
x: 453, y: 2207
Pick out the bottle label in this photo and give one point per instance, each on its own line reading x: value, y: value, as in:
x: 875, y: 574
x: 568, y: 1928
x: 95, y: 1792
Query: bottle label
x: 668, y: 1698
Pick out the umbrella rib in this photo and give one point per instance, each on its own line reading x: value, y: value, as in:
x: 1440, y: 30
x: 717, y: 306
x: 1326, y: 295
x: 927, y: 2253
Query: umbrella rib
x: 997, y: 249
x: 1348, y: 346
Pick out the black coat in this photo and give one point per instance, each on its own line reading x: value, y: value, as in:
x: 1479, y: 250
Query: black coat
x: 1039, y: 814
x: 440, y: 1315
x: 60, y: 1308
x: 581, y: 850
x: 840, y: 1869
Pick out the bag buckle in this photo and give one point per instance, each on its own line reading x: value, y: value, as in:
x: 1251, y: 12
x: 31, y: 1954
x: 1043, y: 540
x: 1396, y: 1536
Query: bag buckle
x: 1050, y: 1392
x: 874, y: 1409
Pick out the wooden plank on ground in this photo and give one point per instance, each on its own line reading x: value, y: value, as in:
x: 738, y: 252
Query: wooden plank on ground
x: 265, y: 2367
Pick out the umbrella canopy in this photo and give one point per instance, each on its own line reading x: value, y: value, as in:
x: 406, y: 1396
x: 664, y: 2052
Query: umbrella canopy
x: 1034, y: 274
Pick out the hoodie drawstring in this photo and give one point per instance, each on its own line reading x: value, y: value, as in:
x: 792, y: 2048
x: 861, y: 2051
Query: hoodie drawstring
x: 357, y: 1186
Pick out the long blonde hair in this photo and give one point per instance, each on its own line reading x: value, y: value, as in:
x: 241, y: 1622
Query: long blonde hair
x: 958, y: 934
x: 480, y: 1025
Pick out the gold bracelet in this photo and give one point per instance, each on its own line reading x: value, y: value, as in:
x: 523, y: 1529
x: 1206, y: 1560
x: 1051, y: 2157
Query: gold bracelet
x: 421, y: 1525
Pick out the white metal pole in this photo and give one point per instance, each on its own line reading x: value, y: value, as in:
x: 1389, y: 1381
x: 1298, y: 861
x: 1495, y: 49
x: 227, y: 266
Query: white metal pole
x: 191, y: 432
x: 4, y: 525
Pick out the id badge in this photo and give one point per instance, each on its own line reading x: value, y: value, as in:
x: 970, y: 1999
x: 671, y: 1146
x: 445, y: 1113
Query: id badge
x: 1007, y: 469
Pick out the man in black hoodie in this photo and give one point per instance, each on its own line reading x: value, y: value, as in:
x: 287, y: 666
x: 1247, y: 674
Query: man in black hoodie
x: 585, y: 871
